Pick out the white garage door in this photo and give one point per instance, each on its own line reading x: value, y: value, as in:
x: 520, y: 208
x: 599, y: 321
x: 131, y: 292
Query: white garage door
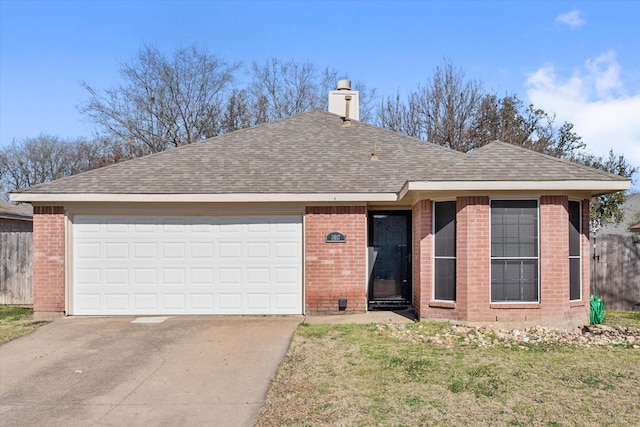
x: 187, y: 265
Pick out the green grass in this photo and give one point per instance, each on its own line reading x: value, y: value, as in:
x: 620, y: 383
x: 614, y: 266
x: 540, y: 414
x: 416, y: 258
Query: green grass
x: 366, y: 375
x: 622, y: 318
x: 15, y: 322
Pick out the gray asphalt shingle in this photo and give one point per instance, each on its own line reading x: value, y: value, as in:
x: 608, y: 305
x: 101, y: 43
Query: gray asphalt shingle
x: 313, y: 153
x: 11, y: 211
x: 500, y: 161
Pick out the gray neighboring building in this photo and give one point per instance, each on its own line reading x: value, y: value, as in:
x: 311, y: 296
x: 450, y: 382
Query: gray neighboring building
x: 15, y: 218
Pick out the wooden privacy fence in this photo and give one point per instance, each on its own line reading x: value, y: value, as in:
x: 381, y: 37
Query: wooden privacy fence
x: 615, y: 271
x: 16, y: 271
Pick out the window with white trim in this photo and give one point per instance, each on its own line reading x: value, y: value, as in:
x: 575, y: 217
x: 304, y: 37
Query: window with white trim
x: 444, y: 260
x: 575, y: 231
x: 514, y: 251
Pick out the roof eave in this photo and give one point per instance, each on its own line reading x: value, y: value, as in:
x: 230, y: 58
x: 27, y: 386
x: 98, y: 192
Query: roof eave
x: 596, y: 188
x: 16, y: 217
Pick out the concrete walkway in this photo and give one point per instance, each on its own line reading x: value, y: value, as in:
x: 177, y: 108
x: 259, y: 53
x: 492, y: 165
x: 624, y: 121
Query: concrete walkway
x: 373, y: 316
x: 184, y: 371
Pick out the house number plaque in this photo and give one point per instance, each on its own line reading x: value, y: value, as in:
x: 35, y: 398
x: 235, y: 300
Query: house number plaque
x: 336, y: 237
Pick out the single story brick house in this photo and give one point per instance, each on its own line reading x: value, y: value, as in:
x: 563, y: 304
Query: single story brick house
x: 318, y: 213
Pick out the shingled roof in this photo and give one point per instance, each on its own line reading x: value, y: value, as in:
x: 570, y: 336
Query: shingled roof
x: 501, y: 161
x: 313, y: 153
x: 15, y: 212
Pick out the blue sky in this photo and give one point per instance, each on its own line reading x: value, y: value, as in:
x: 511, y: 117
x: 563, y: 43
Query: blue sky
x: 579, y: 59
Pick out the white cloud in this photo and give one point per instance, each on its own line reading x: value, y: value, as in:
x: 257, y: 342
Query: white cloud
x: 594, y: 99
x: 572, y: 18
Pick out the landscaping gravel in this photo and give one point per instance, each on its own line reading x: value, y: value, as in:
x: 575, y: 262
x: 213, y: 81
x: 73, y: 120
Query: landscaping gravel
x: 483, y: 337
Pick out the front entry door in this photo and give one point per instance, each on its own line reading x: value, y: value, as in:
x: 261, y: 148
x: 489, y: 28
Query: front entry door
x: 389, y: 258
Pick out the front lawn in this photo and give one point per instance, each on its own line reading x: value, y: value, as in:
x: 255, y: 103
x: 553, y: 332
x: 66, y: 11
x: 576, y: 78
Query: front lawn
x: 15, y: 322
x: 431, y: 374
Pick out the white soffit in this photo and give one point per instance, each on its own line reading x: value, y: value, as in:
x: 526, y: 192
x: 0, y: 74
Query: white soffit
x: 595, y: 187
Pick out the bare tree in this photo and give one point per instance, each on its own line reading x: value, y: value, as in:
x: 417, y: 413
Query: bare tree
x: 163, y: 101
x: 282, y: 89
x: 458, y: 113
x: 447, y: 106
x: 239, y: 113
x: 394, y: 115
x: 368, y: 98
x: 442, y: 111
x: 508, y: 119
x: 44, y: 158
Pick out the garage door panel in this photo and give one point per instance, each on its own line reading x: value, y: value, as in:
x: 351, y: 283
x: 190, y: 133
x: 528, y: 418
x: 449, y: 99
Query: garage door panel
x: 258, y: 276
x: 91, y: 302
x: 229, y: 302
x: 144, y: 276
x: 116, y: 250
x: 117, y: 302
x: 173, y: 251
x: 145, y: 302
x: 173, y: 303
x: 173, y: 276
x: 145, y: 250
x: 286, y: 276
x: 259, y: 250
x: 88, y: 250
x: 257, y: 302
x: 201, y: 250
x: 116, y: 276
x: 286, y: 301
x: 230, y: 250
x: 187, y: 265
x: 88, y: 276
x: 201, y: 276
x: 288, y: 250
x: 202, y: 302
x: 229, y: 276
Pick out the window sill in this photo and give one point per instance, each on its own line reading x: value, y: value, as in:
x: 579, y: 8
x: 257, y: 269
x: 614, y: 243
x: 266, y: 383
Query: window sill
x: 442, y: 304
x: 511, y: 306
x: 577, y: 303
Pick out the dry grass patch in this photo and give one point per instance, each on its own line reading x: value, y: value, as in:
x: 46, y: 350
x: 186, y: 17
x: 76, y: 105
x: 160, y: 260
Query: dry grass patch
x: 623, y: 318
x: 15, y: 322
x: 363, y: 375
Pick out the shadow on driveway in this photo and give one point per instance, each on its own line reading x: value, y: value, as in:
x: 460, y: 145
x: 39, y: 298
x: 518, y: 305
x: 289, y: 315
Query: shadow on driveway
x: 185, y: 371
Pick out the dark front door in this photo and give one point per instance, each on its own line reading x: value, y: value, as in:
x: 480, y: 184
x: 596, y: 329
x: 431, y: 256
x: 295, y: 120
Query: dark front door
x: 390, y: 257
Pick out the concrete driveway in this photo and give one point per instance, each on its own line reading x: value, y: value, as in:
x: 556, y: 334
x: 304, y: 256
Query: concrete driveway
x: 185, y: 371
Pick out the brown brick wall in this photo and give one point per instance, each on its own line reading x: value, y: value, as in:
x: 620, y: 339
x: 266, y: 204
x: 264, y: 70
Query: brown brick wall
x: 473, y: 300
x: 422, y: 256
x: 335, y: 270
x: 48, y: 259
x: 12, y: 225
x: 554, y: 308
x: 554, y: 256
x: 473, y: 258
